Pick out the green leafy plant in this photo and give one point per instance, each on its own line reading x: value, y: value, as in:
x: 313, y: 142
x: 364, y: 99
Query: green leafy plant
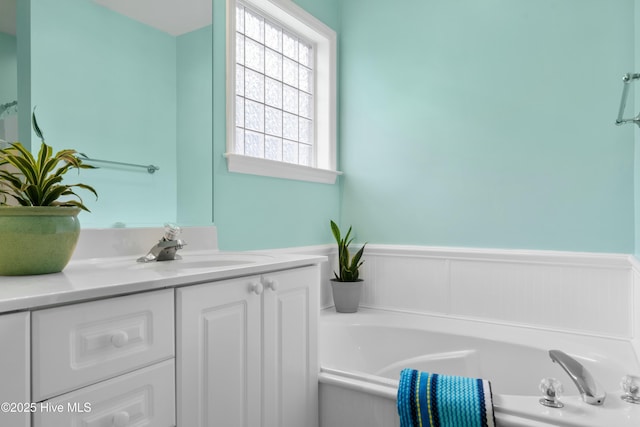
x: 37, y: 181
x: 349, y: 267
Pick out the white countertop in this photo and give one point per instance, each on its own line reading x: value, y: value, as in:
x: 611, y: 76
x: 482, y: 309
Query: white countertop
x: 86, y: 279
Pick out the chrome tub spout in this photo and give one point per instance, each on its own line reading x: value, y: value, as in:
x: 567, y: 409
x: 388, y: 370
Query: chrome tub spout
x: 590, y: 391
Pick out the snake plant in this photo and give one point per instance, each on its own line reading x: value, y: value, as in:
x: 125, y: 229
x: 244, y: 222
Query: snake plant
x: 37, y: 181
x: 349, y: 267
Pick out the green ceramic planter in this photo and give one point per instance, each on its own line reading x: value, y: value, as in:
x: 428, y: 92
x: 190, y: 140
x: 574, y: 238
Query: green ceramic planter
x: 37, y: 239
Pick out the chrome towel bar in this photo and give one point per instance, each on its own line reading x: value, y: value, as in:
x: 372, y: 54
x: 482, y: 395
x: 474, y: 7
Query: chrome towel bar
x: 149, y: 168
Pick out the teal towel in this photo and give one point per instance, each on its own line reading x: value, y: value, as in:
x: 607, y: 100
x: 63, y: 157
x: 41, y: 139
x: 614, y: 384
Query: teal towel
x: 432, y: 400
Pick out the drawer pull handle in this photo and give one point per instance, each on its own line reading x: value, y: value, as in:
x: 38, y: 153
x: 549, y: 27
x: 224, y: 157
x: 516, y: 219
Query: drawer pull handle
x: 272, y: 284
x: 121, y: 419
x: 257, y: 288
x: 119, y: 339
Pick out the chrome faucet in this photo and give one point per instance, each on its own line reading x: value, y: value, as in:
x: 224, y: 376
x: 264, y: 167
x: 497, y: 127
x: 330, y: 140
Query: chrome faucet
x: 166, y: 248
x: 590, y: 391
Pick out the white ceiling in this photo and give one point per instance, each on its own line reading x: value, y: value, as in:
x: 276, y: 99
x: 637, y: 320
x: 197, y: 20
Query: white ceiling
x: 8, y: 16
x: 171, y: 16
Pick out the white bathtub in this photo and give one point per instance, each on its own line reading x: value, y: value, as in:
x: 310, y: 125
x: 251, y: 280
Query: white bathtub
x: 362, y: 354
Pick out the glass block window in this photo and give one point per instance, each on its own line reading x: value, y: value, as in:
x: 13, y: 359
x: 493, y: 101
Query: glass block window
x: 274, y: 74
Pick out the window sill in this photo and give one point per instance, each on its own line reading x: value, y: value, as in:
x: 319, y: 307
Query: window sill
x: 264, y: 167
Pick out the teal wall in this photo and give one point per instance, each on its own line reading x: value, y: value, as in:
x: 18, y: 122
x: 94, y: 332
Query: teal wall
x: 194, y: 126
x: 8, y: 68
x: 256, y: 212
x: 461, y: 123
x: 487, y: 124
x: 23, y: 35
x: 106, y: 86
x: 327, y: 11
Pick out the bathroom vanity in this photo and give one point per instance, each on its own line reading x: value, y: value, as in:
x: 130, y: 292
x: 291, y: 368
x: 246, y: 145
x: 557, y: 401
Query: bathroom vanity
x: 212, y: 339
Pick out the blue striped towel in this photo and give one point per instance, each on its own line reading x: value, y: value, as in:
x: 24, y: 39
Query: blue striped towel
x: 432, y: 400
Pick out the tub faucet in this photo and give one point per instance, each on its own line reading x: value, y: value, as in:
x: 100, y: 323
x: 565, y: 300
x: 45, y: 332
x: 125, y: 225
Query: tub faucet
x: 166, y: 248
x: 590, y: 391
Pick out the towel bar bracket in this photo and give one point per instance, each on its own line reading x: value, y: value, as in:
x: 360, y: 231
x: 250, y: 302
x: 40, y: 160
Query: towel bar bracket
x: 626, y: 79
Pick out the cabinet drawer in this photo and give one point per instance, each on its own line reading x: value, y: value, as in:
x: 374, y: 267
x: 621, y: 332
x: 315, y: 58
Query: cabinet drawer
x: 79, y: 344
x: 141, y: 398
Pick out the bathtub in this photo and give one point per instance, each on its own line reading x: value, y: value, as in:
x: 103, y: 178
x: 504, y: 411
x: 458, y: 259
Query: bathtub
x: 362, y: 354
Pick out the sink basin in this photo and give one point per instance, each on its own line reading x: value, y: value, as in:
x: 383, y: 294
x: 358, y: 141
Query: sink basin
x: 189, y: 262
x: 211, y: 263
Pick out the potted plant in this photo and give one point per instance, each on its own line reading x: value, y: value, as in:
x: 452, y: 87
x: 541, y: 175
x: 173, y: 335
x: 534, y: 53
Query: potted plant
x: 39, y: 226
x: 347, y: 284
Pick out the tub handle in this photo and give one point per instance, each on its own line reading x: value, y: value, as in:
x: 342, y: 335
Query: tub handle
x: 551, y: 390
x: 631, y: 386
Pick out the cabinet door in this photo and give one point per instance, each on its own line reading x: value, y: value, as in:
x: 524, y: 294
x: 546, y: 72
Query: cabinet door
x: 290, y: 390
x: 218, y: 354
x: 14, y: 369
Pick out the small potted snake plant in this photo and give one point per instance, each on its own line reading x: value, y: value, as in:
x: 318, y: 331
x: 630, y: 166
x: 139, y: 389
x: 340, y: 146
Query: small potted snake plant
x: 39, y: 227
x: 347, y: 284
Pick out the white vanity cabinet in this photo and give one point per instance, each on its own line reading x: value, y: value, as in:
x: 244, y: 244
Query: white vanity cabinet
x: 14, y: 370
x: 221, y: 341
x: 247, y: 351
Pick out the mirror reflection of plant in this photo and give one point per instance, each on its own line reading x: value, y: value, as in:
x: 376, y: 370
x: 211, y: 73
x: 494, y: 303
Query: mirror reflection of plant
x: 9, y: 108
x: 349, y: 267
x: 38, y: 180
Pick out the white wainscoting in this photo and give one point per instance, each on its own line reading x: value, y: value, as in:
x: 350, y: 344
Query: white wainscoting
x: 635, y: 303
x: 586, y: 293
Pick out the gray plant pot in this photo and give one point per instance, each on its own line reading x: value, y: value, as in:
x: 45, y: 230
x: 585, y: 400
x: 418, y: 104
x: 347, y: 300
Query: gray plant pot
x: 346, y: 295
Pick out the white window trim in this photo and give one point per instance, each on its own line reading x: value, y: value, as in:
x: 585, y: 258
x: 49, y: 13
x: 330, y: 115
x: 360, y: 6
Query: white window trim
x: 325, y: 41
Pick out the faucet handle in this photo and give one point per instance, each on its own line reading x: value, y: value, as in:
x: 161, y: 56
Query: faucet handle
x: 171, y: 231
x: 551, y: 390
x: 631, y: 386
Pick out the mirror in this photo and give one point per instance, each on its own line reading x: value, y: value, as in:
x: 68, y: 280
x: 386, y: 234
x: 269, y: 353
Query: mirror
x: 127, y: 82
x: 8, y: 72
